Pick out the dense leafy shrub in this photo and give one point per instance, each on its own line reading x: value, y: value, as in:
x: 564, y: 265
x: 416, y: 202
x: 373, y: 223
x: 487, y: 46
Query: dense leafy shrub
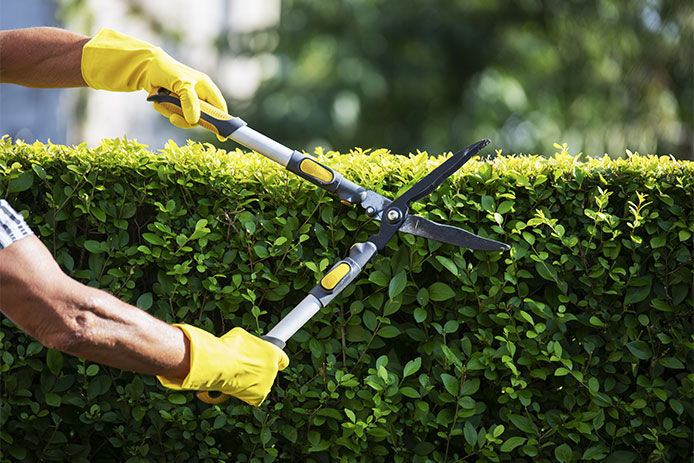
x: 575, y: 346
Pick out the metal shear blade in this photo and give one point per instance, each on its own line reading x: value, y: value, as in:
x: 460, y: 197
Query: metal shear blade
x: 376, y: 205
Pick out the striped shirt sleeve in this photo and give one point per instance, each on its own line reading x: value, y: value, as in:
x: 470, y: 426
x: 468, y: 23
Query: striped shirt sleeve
x: 12, y: 225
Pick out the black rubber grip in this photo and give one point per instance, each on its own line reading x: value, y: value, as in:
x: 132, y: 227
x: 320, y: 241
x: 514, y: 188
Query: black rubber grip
x: 278, y: 342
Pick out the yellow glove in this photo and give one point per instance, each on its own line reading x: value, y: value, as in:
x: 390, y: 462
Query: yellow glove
x: 237, y: 364
x: 117, y: 62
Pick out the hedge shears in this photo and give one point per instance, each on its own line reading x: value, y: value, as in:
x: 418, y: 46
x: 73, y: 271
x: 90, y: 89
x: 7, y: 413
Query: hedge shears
x: 393, y: 215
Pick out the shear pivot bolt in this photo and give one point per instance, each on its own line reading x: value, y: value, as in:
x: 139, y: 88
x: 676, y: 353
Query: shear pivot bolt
x: 370, y: 211
x: 393, y: 215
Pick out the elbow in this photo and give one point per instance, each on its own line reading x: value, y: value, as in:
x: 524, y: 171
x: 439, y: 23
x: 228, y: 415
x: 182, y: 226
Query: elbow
x: 71, y: 335
x: 70, y: 327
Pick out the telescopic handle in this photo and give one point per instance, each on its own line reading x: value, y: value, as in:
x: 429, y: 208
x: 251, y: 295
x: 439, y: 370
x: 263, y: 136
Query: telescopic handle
x: 332, y: 283
x: 227, y: 126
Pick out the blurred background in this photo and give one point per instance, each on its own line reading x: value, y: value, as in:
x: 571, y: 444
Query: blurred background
x: 603, y: 76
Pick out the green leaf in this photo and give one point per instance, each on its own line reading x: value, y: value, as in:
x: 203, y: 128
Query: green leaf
x: 448, y: 264
x: 661, y: 305
x: 22, y: 182
x: 671, y: 362
x: 39, y: 171
x: 144, y: 301
x: 640, y: 349
x: 219, y: 422
x: 470, y: 433
x: 53, y: 399
x: 523, y: 423
x: 487, y: 203
x: 546, y: 271
x: 638, y: 290
x: 54, y: 361
x: 505, y: 207
x: 98, y: 213
x: 596, y: 452
x: 177, y: 398
x: 621, y: 456
x: 388, y: 331
x: 593, y: 384
x: 98, y: 386
x: 448, y: 353
x: 658, y: 242
x: 95, y: 247
x: 440, y: 292
x: 424, y: 448
x: 512, y: 443
x: 379, y: 278
x: 470, y: 386
x: 397, y: 284
x: 322, y: 235
x: 410, y: 392
x: 498, y: 430
x: 153, y: 239
x: 527, y: 317
x: 34, y: 348
x: 370, y: 320
x: 412, y: 367
x: 450, y: 383
x: 595, y: 321
x: 420, y: 315
x: 261, y: 250
x: 563, y: 453
x: 19, y: 453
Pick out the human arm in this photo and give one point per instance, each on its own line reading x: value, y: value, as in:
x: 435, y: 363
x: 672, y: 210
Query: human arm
x: 41, y: 57
x: 90, y: 323
x: 86, y: 322
x: 48, y: 57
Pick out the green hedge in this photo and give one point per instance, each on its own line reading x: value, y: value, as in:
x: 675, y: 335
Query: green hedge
x: 575, y: 346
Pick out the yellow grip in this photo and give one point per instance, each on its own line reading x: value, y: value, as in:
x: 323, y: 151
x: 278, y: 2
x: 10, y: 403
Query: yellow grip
x: 334, y: 277
x: 315, y: 170
x: 213, y: 111
x: 205, y: 108
x: 207, y: 398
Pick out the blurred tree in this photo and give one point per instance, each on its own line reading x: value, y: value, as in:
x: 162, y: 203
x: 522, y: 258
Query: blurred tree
x: 602, y: 75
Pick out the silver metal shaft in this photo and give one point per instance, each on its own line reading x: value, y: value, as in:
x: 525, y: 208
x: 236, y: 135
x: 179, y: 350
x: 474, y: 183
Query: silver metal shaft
x: 259, y: 143
x: 295, y: 319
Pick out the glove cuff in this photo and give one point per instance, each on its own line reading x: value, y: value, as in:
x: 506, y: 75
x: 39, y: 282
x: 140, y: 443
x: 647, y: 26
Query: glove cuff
x: 113, y: 61
x: 203, y: 374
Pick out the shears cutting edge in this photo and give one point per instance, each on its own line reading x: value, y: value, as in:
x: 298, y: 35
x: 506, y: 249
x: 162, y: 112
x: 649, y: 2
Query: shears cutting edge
x: 393, y: 215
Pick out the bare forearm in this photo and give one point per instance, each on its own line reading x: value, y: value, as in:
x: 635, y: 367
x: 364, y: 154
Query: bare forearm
x: 83, y: 321
x: 117, y: 334
x: 42, y: 57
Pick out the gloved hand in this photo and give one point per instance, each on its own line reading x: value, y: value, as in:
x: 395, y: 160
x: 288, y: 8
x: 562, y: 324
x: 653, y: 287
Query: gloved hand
x: 237, y: 364
x: 117, y: 62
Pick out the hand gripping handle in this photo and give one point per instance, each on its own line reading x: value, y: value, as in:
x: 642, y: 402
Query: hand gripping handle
x: 216, y: 397
x: 211, y: 118
x: 227, y: 126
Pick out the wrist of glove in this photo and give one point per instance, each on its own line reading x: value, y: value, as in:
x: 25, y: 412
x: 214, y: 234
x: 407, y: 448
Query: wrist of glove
x: 237, y: 364
x: 117, y: 62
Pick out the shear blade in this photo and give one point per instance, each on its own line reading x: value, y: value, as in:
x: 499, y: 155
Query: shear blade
x: 426, y: 228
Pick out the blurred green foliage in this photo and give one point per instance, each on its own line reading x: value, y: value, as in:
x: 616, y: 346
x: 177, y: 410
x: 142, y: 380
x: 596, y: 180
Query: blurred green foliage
x: 575, y: 346
x: 602, y: 75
